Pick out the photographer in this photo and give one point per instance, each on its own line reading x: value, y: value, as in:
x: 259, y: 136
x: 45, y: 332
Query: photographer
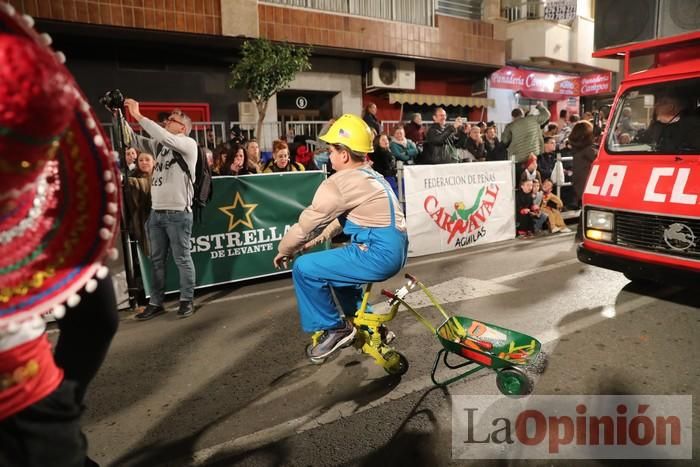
x: 170, y: 221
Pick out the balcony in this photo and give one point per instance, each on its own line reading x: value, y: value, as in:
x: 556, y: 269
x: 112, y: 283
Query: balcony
x: 420, y: 12
x: 555, y: 34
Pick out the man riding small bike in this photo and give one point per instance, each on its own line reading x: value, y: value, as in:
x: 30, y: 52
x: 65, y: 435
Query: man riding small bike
x: 358, y: 201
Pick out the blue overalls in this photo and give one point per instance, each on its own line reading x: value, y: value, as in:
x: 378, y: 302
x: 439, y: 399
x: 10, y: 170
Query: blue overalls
x: 374, y: 255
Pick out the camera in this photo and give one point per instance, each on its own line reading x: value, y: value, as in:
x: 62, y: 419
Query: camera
x: 113, y: 100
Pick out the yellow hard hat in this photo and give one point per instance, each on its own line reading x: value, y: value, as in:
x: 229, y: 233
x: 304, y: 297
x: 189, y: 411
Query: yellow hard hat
x: 351, y: 131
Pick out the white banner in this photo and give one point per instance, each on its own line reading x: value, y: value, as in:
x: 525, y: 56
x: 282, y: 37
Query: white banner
x: 452, y: 206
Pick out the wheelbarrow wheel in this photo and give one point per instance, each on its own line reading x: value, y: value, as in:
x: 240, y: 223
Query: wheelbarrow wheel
x: 400, y: 366
x: 538, y: 364
x: 514, y: 382
x: 314, y: 360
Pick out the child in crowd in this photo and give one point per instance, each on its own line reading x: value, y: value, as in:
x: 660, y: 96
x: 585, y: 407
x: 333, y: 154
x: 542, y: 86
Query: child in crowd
x: 537, y: 192
x: 530, y: 168
x: 551, y: 206
x: 529, y: 218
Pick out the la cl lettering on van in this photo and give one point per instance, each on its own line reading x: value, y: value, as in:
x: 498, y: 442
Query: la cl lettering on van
x: 612, y: 182
x: 678, y: 194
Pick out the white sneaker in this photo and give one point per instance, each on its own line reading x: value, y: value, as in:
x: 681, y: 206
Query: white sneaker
x: 555, y: 229
x: 566, y: 230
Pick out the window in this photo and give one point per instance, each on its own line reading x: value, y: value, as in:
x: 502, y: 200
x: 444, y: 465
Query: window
x: 663, y: 118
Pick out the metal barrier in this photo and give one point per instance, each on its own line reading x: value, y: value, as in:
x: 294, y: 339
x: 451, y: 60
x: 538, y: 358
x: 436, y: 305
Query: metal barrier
x: 211, y: 134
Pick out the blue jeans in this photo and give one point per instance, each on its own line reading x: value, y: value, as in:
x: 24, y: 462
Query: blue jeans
x: 173, y: 229
x: 539, y: 222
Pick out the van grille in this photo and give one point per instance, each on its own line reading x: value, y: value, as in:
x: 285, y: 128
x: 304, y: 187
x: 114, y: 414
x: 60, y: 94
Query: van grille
x: 646, y: 232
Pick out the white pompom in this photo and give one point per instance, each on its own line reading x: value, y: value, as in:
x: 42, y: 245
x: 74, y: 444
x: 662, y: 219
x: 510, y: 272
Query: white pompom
x: 37, y: 322
x: 59, y: 311
x: 110, y: 188
x: 90, y: 123
x: 112, y: 208
x: 105, y: 234
x: 102, y: 272
x: 108, y: 220
x: 107, y: 176
x: 28, y: 20
x: 8, y: 9
x: 99, y: 141
x: 72, y: 302
x: 45, y: 39
x: 91, y: 286
x: 61, y: 57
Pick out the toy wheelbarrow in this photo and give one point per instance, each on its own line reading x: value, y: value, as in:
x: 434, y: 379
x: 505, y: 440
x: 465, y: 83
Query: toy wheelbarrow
x: 513, y: 355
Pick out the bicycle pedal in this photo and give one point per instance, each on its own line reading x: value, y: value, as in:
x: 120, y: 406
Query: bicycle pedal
x: 389, y: 337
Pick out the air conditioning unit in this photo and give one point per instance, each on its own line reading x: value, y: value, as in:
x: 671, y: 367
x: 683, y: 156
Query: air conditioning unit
x: 247, y: 113
x: 391, y: 74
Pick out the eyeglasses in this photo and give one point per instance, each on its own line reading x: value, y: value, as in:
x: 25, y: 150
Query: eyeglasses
x: 171, y: 119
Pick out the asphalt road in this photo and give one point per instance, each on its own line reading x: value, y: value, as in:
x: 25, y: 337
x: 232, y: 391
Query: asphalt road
x: 231, y: 385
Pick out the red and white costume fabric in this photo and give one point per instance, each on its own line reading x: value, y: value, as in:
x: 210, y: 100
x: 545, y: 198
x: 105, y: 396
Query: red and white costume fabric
x: 59, y: 206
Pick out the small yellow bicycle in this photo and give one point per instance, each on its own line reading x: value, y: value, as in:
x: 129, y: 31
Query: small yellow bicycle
x: 512, y: 355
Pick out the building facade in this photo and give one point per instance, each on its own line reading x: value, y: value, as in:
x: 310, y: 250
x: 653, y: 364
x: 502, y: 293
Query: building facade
x: 403, y: 55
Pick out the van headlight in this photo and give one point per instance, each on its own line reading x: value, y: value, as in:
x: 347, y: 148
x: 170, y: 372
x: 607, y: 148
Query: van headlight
x: 600, y: 225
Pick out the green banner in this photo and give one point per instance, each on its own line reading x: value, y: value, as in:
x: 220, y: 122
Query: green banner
x: 241, y: 227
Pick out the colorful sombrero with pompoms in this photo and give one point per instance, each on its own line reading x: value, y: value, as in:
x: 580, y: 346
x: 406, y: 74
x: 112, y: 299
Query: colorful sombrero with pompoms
x: 59, y: 182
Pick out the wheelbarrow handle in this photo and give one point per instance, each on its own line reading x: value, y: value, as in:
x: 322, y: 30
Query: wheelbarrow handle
x: 389, y: 294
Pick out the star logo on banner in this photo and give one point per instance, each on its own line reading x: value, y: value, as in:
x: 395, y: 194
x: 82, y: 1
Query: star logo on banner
x: 239, y: 213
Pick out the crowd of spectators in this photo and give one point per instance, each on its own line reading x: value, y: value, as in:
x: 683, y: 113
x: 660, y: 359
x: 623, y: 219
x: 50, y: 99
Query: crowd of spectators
x: 532, y: 141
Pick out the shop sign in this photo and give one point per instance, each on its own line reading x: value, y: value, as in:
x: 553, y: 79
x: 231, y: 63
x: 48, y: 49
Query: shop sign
x: 596, y: 83
x: 526, y: 80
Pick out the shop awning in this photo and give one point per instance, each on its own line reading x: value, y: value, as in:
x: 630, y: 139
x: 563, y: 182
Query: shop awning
x: 433, y: 99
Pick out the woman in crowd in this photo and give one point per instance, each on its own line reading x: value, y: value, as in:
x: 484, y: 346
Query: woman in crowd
x: 581, y: 141
x: 383, y: 161
x: 253, y: 150
x: 236, y: 162
x: 219, y: 155
x: 415, y: 131
x: 131, y: 155
x: 139, y: 200
x: 369, y: 115
x: 281, y: 160
x: 403, y: 148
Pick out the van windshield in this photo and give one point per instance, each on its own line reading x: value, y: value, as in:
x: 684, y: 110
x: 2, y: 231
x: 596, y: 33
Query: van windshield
x: 661, y: 118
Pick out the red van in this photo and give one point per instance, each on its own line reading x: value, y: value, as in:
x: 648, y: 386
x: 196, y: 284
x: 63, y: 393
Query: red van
x: 641, y: 205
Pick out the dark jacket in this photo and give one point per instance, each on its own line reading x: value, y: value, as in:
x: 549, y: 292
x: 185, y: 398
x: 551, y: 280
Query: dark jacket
x: 383, y: 162
x: 476, y: 150
x: 373, y: 123
x: 545, y: 164
x: 523, y: 201
x: 435, y: 146
x: 681, y: 136
x: 415, y: 132
x: 583, y: 158
x: 139, y: 202
x: 495, y: 151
